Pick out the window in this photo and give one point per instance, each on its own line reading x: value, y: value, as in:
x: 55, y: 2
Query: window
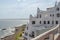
x: 32, y: 34
x: 58, y: 14
x: 26, y: 33
x: 44, y: 22
x: 56, y: 22
x: 48, y: 22
x: 33, y: 22
x: 57, y: 9
x: 40, y: 15
x: 52, y: 22
x: 27, y: 28
x: 52, y: 15
x: 40, y: 22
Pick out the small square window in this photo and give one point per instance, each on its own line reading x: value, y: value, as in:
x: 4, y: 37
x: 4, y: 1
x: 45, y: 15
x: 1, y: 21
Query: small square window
x: 33, y: 22
x: 56, y: 22
x: 51, y: 15
x: 58, y: 14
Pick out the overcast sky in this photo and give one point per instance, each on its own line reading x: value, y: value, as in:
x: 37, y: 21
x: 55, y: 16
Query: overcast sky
x: 22, y: 8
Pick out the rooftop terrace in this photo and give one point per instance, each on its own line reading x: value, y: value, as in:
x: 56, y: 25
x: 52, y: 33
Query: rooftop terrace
x: 52, y: 34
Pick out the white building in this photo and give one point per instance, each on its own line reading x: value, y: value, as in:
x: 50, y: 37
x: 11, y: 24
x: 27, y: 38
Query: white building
x: 43, y: 20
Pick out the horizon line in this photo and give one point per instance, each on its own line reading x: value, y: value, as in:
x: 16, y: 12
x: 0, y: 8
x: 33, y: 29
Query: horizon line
x: 16, y: 19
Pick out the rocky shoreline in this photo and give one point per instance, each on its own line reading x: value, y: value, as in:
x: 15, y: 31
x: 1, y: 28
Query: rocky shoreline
x: 18, y: 32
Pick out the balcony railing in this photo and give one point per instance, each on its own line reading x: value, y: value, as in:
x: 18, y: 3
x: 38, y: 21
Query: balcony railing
x: 50, y: 34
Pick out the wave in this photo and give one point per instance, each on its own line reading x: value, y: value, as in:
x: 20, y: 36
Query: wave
x: 9, y: 30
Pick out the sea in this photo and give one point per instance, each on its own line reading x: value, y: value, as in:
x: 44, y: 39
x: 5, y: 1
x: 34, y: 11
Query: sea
x: 8, y: 25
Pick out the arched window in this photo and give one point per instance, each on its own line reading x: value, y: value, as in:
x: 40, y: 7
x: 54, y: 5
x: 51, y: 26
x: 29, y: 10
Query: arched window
x: 40, y: 22
x: 48, y: 22
x: 56, y: 22
x: 44, y: 22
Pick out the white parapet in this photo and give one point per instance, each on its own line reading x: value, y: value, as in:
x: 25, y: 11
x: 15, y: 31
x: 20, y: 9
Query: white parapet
x: 44, y: 34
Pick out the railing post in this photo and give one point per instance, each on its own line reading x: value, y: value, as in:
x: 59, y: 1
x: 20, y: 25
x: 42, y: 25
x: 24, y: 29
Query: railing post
x: 59, y: 29
x: 51, y: 36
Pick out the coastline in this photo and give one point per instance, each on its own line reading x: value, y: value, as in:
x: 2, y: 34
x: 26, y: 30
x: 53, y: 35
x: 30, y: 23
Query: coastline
x: 17, y: 26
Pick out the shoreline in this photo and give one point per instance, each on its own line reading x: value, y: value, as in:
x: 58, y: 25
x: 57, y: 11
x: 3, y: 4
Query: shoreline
x: 11, y: 30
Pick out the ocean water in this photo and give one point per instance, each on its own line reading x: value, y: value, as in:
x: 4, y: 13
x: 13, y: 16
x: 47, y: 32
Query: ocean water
x: 9, y: 26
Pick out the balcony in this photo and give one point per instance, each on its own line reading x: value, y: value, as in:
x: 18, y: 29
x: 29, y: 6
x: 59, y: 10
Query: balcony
x: 52, y: 34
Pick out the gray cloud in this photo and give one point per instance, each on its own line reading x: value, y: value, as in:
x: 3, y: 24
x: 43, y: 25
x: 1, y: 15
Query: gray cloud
x: 23, y: 8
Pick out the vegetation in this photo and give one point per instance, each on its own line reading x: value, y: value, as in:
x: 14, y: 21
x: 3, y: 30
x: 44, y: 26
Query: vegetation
x: 20, y: 31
